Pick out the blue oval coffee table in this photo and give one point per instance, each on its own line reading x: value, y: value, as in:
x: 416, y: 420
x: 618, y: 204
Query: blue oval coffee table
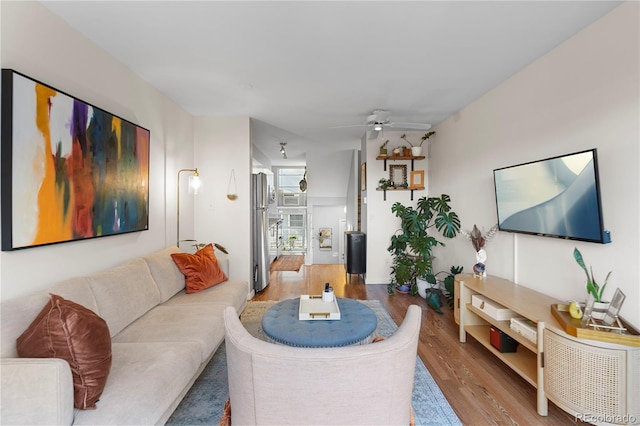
x: 356, y: 325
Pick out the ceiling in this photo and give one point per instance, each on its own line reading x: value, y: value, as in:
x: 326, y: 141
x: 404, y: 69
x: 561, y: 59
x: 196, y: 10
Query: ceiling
x: 304, y: 69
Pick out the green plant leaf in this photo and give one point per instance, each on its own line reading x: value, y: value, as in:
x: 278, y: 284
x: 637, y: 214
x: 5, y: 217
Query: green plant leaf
x: 448, y: 224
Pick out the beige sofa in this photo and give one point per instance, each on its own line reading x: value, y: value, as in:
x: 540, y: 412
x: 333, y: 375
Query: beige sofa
x: 162, y: 338
x: 273, y: 384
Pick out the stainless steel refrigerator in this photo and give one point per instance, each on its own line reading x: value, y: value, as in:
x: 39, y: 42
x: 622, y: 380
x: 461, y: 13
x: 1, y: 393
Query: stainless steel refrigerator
x: 260, y: 245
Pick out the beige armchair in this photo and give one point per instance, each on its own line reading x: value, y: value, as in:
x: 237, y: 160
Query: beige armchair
x: 273, y: 384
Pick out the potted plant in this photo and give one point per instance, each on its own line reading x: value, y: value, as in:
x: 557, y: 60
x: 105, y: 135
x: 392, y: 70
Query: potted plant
x: 416, y: 149
x: 406, y: 151
x: 383, y: 148
x: 292, y: 241
x: 432, y: 288
x: 384, y: 184
x: 411, y: 246
x: 594, y: 290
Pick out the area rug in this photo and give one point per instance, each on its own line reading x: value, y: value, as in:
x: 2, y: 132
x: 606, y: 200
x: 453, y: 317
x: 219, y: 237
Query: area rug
x: 288, y: 263
x: 204, y: 402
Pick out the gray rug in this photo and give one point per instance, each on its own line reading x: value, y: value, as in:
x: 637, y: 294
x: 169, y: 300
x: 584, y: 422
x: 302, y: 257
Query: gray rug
x: 204, y: 402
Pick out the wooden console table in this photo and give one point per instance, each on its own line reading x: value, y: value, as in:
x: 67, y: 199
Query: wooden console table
x: 598, y: 382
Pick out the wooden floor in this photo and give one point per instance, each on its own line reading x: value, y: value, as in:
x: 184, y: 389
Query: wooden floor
x: 479, y: 387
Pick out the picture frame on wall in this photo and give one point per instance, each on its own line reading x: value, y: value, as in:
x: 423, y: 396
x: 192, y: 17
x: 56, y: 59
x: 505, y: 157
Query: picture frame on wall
x: 70, y: 170
x: 325, y: 239
x: 363, y: 177
x: 398, y: 174
x: 417, y: 179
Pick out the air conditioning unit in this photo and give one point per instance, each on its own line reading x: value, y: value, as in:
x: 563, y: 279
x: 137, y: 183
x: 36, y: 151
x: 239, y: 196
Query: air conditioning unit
x: 290, y: 199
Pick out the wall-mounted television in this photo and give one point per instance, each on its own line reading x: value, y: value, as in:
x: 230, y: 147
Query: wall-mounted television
x: 555, y: 197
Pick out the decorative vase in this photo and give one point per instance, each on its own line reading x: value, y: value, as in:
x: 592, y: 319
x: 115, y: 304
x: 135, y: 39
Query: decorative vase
x: 404, y: 288
x: 599, y: 310
x: 422, y: 287
x: 416, y: 151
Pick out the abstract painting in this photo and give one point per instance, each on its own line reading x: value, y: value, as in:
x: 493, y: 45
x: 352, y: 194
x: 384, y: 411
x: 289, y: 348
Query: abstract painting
x: 70, y: 170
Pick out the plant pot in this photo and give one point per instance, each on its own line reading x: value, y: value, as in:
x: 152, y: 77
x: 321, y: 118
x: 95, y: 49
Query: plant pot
x: 422, y: 287
x: 404, y: 288
x: 383, y: 152
x: 416, y: 151
x: 599, y: 310
x: 406, y: 152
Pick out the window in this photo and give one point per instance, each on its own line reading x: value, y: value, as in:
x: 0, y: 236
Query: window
x: 288, y: 183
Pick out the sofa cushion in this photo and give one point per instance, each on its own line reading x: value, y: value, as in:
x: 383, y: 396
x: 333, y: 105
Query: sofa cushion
x: 66, y: 330
x: 124, y: 293
x: 165, y: 272
x: 15, y: 317
x: 200, y: 324
x: 147, y: 380
x: 230, y: 293
x: 201, y: 269
x: 77, y: 290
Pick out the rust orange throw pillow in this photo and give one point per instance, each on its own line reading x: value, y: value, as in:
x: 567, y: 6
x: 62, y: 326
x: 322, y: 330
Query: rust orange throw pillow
x: 64, y: 329
x: 201, y: 269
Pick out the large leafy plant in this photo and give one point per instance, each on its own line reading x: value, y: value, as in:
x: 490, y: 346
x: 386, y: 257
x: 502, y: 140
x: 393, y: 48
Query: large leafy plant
x: 592, y: 286
x: 412, y: 245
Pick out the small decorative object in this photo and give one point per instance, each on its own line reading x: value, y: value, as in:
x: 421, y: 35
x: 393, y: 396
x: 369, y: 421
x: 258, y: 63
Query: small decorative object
x: 324, y: 236
x: 327, y: 294
x: 383, y: 148
x: 592, y: 287
x: 406, y: 151
x: 398, y: 174
x: 574, y: 310
x: 417, y: 179
x: 384, y: 184
x: 232, y: 188
x: 611, y: 316
x: 303, y: 182
x: 479, y: 241
x: 363, y: 177
x: 396, y: 151
x: 416, y: 150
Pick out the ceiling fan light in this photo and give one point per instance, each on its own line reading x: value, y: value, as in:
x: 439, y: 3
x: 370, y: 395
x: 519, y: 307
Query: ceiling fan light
x: 377, y: 127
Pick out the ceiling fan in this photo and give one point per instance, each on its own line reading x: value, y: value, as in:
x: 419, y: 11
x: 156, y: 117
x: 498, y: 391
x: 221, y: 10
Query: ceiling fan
x: 379, y: 120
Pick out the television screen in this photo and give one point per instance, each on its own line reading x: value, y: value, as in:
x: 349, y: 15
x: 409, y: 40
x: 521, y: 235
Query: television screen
x: 556, y: 197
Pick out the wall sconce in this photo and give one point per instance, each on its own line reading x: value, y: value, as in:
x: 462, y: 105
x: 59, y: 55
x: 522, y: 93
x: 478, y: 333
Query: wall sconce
x: 194, y: 188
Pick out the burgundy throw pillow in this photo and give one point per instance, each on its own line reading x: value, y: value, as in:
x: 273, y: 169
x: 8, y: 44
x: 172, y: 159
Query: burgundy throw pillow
x: 201, y: 269
x: 64, y: 329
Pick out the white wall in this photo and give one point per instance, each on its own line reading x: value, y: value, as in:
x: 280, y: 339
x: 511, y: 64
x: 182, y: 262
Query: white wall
x: 581, y: 95
x: 40, y: 45
x: 223, y: 144
x: 381, y: 223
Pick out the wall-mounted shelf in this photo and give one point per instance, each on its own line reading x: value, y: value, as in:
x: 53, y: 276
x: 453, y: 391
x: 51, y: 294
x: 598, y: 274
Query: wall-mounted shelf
x: 417, y: 188
x: 399, y: 157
